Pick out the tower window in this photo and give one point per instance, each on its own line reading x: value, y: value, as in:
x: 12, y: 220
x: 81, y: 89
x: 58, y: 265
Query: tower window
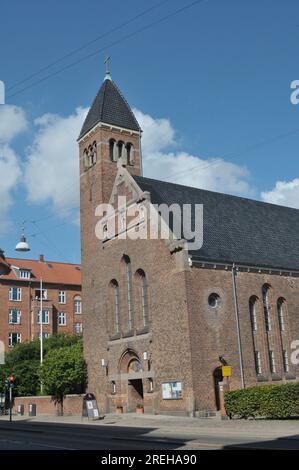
x: 120, y: 147
x: 130, y: 154
x: 112, y: 150
x: 213, y: 300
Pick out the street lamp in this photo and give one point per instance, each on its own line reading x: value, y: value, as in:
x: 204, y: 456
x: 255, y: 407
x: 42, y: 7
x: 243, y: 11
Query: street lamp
x: 23, y: 246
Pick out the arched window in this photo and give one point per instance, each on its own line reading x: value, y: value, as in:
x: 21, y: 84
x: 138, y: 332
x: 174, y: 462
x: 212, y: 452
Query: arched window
x: 130, y: 154
x: 77, y: 305
x: 252, y: 311
x: 112, y: 150
x: 266, y: 306
x: 115, y: 293
x: 281, y: 313
x: 120, y: 147
x: 129, y: 292
x: 144, y: 297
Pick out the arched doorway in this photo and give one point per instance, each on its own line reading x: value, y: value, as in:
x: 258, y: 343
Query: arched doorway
x: 130, y: 364
x: 217, y: 377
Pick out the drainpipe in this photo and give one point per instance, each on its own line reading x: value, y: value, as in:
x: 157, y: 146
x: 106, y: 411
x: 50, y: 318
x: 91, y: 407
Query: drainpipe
x: 234, y: 273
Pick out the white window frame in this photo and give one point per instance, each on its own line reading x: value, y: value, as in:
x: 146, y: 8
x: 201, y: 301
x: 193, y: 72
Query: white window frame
x: 45, y: 335
x: 285, y: 361
x: 10, y: 316
x: 44, y: 294
x: 61, y: 316
x: 77, y: 301
x: 24, y: 274
x: 62, y: 297
x: 81, y: 328
x: 272, y: 361
x: 19, y: 294
x: 10, y: 336
x: 258, y: 362
x: 46, y: 312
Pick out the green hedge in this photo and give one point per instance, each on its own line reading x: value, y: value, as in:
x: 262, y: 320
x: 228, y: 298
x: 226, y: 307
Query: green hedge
x: 268, y: 401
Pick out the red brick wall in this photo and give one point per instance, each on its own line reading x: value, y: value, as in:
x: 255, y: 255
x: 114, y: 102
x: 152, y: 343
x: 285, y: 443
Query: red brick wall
x: 46, y: 405
x: 29, y: 328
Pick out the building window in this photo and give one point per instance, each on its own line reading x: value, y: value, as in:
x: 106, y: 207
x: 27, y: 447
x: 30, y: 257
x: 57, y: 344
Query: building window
x: 37, y: 294
x: 272, y: 362
x: 120, y: 148
x: 78, y: 328
x: 45, y: 335
x: 252, y: 310
x: 77, y: 305
x: 129, y: 293
x: 13, y: 339
x: 130, y: 154
x: 266, y: 305
x: 62, y: 297
x: 144, y: 298
x: 112, y: 150
x: 258, y: 362
x: 281, y: 315
x: 24, y: 274
x: 15, y: 294
x: 213, y: 300
x: 45, y: 317
x: 14, y: 316
x: 285, y: 360
x: 62, y: 319
x: 115, y: 293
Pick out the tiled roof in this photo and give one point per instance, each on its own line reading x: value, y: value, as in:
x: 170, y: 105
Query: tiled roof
x: 110, y: 107
x: 51, y: 272
x: 236, y: 229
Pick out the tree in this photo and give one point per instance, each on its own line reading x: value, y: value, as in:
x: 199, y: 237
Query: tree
x: 23, y: 362
x: 64, y: 371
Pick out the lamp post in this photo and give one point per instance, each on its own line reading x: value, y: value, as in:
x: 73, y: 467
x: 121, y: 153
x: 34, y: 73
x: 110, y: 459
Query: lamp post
x: 23, y: 246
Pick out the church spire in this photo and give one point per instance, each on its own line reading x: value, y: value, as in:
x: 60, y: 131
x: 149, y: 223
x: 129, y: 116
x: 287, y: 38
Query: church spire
x: 107, y: 63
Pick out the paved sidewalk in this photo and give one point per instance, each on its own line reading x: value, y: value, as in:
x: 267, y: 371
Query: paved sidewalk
x: 185, y: 425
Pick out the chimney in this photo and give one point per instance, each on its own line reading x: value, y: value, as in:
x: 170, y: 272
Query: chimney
x: 41, y: 258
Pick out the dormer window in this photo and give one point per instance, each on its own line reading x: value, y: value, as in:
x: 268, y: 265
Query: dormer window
x: 24, y: 274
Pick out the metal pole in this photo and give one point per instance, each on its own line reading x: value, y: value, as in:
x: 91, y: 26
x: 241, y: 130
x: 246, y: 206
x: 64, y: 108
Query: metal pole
x: 10, y: 402
x: 41, y: 328
x: 238, y: 325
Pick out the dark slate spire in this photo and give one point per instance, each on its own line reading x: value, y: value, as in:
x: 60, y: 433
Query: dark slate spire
x: 109, y: 107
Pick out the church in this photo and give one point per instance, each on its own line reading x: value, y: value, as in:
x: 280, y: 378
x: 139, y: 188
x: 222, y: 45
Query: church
x: 163, y: 317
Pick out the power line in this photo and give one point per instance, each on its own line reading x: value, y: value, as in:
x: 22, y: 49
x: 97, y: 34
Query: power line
x: 118, y: 41
x: 84, y: 46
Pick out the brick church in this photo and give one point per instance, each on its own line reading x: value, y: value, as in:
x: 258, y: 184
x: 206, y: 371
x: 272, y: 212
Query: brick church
x: 160, y: 320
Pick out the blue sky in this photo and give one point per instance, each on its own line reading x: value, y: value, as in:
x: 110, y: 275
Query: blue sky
x: 211, y: 85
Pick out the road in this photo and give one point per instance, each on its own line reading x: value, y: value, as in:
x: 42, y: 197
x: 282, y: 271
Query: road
x: 111, y: 434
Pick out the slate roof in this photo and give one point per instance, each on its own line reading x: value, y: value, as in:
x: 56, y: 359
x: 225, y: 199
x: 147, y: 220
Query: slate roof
x: 110, y: 107
x: 236, y: 229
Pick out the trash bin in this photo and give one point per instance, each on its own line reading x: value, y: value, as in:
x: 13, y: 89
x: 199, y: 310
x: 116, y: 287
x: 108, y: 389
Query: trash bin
x: 32, y: 409
x: 20, y: 410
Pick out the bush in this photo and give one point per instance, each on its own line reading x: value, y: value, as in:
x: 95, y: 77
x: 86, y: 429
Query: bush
x: 269, y: 401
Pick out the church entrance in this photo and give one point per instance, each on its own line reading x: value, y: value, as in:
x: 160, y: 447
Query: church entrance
x: 135, y: 393
x: 217, y: 375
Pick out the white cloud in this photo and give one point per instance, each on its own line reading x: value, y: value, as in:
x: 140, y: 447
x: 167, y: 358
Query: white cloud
x: 10, y: 172
x: 160, y: 162
x: 51, y: 170
x: 12, y: 122
x: 284, y: 193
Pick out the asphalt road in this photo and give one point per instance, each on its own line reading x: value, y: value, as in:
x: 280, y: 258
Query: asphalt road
x: 112, y: 436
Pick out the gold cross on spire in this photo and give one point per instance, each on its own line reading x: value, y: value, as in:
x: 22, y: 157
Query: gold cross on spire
x: 107, y: 63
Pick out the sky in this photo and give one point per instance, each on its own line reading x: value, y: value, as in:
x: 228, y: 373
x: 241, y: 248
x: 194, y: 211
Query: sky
x: 209, y: 82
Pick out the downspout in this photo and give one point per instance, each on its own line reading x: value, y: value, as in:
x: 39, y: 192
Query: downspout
x: 237, y: 315
x: 29, y: 310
